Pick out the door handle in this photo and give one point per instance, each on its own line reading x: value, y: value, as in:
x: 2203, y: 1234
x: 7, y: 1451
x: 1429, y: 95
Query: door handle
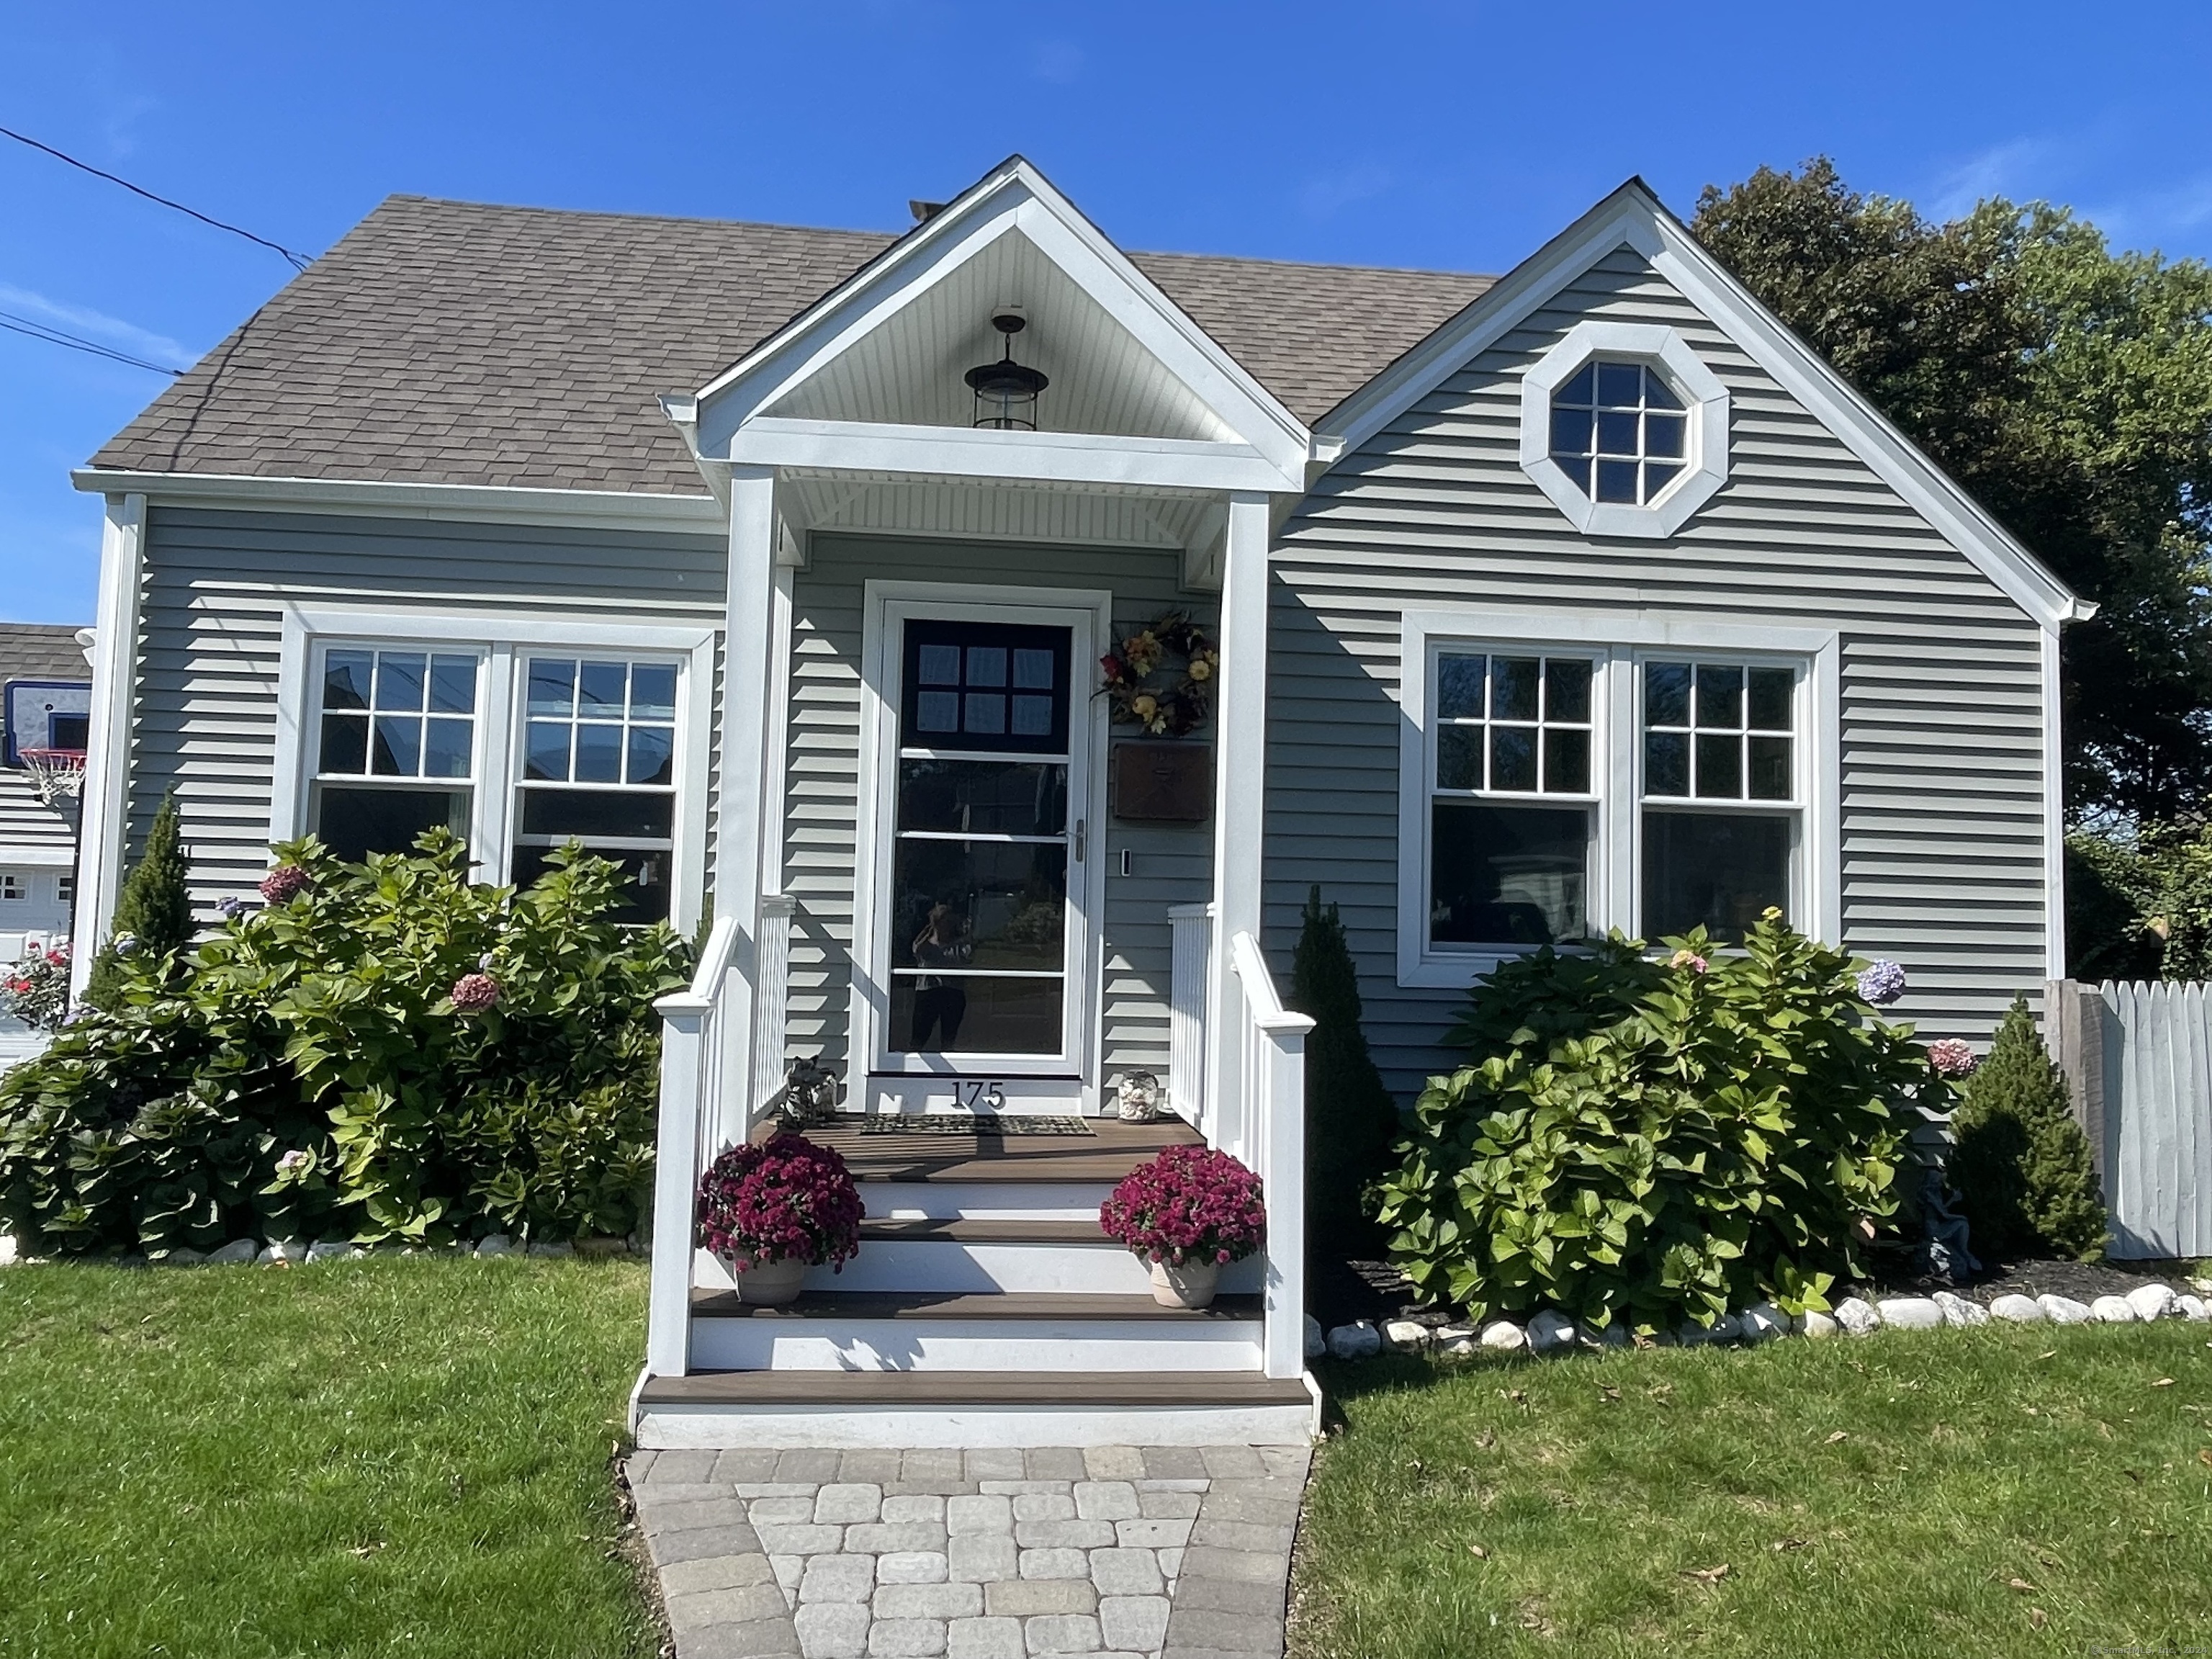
x: 1082, y: 835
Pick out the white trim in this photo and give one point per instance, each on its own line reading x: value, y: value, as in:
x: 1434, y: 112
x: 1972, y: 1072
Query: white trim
x: 1701, y: 391
x: 591, y: 509
x: 497, y: 639
x: 1621, y: 641
x: 1240, y: 790
x: 44, y: 858
x: 955, y: 452
x: 886, y: 605
x: 1634, y: 217
x: 2054, y: 814
x: 103, y: 825
x: 1012, y: 197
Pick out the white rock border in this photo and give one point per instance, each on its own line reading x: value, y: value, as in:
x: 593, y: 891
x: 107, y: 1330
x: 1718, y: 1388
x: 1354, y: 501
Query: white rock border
x: 1550, y: 1331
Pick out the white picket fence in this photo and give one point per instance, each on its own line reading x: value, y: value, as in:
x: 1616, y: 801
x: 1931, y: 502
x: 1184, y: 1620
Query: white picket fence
x: 2139, y: 1058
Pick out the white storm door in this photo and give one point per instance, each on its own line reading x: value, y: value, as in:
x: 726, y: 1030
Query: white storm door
x: 983, y: 926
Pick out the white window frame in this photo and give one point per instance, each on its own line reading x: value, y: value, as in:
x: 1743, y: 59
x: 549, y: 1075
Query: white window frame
x: 503, y: 639
x: 1620, y: 642
x: 1698, y: 387
x: 896, y: 1080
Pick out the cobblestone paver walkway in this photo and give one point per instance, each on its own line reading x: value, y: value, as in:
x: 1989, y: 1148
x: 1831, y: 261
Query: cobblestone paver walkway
x: 1115, y: 1552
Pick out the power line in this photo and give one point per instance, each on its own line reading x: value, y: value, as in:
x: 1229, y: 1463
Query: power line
x: 15, y: 324
x: 299, y: 260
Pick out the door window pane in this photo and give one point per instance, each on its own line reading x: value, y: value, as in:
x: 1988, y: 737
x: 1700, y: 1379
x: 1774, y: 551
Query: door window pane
x: 983, y: 797
x: 987, y: 686
x: 976, y: 1014
x: 962, y: 904
x: 1717, y: 870
x: 1507, y: 875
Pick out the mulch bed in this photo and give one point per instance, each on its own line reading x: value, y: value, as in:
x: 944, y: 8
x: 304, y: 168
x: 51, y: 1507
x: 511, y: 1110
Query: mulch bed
x: 1339, y: 1292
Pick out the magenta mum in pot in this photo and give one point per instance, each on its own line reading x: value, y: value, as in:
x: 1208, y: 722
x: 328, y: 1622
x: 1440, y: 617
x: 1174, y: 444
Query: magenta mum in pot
x: 770, y: 1212
x: 1190, y: 1211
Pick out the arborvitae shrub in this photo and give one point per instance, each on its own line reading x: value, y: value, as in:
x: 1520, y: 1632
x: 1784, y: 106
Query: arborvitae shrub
x: 1351, y: 1119
x: 153, y: 912
x: 2022, y: 1164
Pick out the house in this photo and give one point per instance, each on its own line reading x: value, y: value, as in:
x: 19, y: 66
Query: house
x: 46, y: 693
x: 779, y: 563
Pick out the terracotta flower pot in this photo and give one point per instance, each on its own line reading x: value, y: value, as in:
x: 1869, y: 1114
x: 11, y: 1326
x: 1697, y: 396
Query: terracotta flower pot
x: 1191, y: 1286
x: 767, y: 1284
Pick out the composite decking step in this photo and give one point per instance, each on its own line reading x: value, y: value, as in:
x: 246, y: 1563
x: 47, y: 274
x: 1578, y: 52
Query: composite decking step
x: 1037, y: 1305
x: 894, y: 1388
x: 987, y: 1229
x: 1112, y: 1152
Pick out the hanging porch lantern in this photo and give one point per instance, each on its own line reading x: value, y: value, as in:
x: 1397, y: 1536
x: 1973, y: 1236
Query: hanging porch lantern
x: 1006, y: 391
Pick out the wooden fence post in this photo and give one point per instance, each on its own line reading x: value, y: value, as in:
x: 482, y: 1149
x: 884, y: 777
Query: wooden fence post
x: 2074, y: 1029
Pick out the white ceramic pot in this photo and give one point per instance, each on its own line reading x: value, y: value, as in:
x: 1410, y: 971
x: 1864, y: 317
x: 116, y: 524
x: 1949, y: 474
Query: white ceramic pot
x: 765, y: 1284
x: 1191, y: 1286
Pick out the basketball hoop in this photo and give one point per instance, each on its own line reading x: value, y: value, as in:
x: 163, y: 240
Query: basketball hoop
x: 56, y: 774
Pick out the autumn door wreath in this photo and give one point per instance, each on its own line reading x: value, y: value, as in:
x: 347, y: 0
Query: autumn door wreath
x: 1144, y: 687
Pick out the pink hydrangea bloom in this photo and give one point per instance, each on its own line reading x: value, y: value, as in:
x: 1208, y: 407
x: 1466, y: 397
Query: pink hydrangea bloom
x: 474, y: 992
x: 1190, y: 1204
x: 784, y: 1199
x: 1689, y: 959
x: 1951, y: 1057
x: 285, y: 881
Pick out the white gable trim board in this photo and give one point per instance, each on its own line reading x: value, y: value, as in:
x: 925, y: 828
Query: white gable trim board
x: 1633, y: 218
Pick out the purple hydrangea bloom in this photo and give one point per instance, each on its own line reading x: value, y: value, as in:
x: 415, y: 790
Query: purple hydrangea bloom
x: 126, y: 945
x: 230, y: 906
x: 1883, y: 983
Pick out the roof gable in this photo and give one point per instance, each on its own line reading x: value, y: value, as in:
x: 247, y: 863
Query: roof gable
x: 1634, y: 217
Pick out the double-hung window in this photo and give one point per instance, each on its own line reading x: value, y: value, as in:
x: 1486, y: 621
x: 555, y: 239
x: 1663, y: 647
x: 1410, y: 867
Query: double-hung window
x: 517, y: 747
x: 1512, y: 812
x: 396, y: 746
x: 1558, y: 787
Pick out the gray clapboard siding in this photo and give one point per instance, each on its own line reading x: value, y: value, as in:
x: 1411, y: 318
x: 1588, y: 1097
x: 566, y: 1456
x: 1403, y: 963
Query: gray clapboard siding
x: 1942, y: 807
x: 211, y: 632
x: 1171, y: 864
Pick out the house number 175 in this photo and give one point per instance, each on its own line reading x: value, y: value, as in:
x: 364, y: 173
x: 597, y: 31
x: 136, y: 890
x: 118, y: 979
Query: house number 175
x: 979, y: 1095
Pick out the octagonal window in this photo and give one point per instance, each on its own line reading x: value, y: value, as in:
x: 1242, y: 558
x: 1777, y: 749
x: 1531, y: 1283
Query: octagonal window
x: 1619, y: 432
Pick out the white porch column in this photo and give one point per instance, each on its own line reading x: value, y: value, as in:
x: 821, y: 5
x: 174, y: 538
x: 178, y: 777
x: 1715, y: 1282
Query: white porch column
x: 748, y: 674
x: 103, y: 808
x: 1240, y: 780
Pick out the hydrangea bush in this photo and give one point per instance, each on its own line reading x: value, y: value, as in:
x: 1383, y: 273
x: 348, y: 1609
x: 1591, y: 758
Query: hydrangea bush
x: 784, y: 1199
x: 316, y: 1068
x: 1650, y: 1137
x: 1189, y: 1205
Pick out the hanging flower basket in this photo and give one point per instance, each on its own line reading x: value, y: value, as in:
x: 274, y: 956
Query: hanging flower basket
x: 1190, y: 1211
x: 770, y: 1212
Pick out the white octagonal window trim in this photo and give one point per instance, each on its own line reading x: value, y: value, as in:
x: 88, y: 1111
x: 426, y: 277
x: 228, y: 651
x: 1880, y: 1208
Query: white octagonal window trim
x: 1661, y: 410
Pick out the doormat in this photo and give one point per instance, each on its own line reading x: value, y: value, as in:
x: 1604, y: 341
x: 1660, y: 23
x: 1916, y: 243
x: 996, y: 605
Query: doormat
x: 992, y: 1125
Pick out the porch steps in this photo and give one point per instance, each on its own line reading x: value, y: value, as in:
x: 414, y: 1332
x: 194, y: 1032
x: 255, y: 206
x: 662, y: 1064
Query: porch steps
x: 986, y: 1307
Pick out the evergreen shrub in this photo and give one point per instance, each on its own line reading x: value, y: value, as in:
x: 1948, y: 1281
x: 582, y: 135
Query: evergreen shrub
x: 1351, y: 1118
x: 2019, y: 1162
x: 1649, y: 1140
x: 153, y: 913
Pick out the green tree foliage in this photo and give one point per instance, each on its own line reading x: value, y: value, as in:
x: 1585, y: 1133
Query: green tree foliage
x: 153, y: 913
x: 305, y: 1073
x: 2019, y: 1162
x: 1648, y: 1141
x: 2069, y: 388
x: 1351, y: 1119
x: 2139, y: 903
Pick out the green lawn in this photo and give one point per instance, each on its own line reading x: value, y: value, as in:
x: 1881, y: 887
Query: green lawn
x: 387, y: 1456
x: 1867, y: 1498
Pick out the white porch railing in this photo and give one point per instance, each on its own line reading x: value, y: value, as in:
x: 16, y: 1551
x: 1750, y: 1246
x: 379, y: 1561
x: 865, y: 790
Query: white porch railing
x: 771, y: 1002
x: 1267, y: 1129
x: 694, y: 1058
x: 1191, y: 931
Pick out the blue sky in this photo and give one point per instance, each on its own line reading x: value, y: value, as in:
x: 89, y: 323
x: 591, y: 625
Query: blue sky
x: 1415, y: 134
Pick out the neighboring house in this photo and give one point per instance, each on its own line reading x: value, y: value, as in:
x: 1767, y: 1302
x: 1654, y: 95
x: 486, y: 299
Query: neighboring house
x: 45, y: 692
x: 1583, y: 598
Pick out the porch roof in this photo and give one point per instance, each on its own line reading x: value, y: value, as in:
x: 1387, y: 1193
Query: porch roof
x: 456, y: 343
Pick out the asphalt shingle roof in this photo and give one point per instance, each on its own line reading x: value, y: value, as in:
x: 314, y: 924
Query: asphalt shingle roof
x: 455, y: 342
x: 41, y: 651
